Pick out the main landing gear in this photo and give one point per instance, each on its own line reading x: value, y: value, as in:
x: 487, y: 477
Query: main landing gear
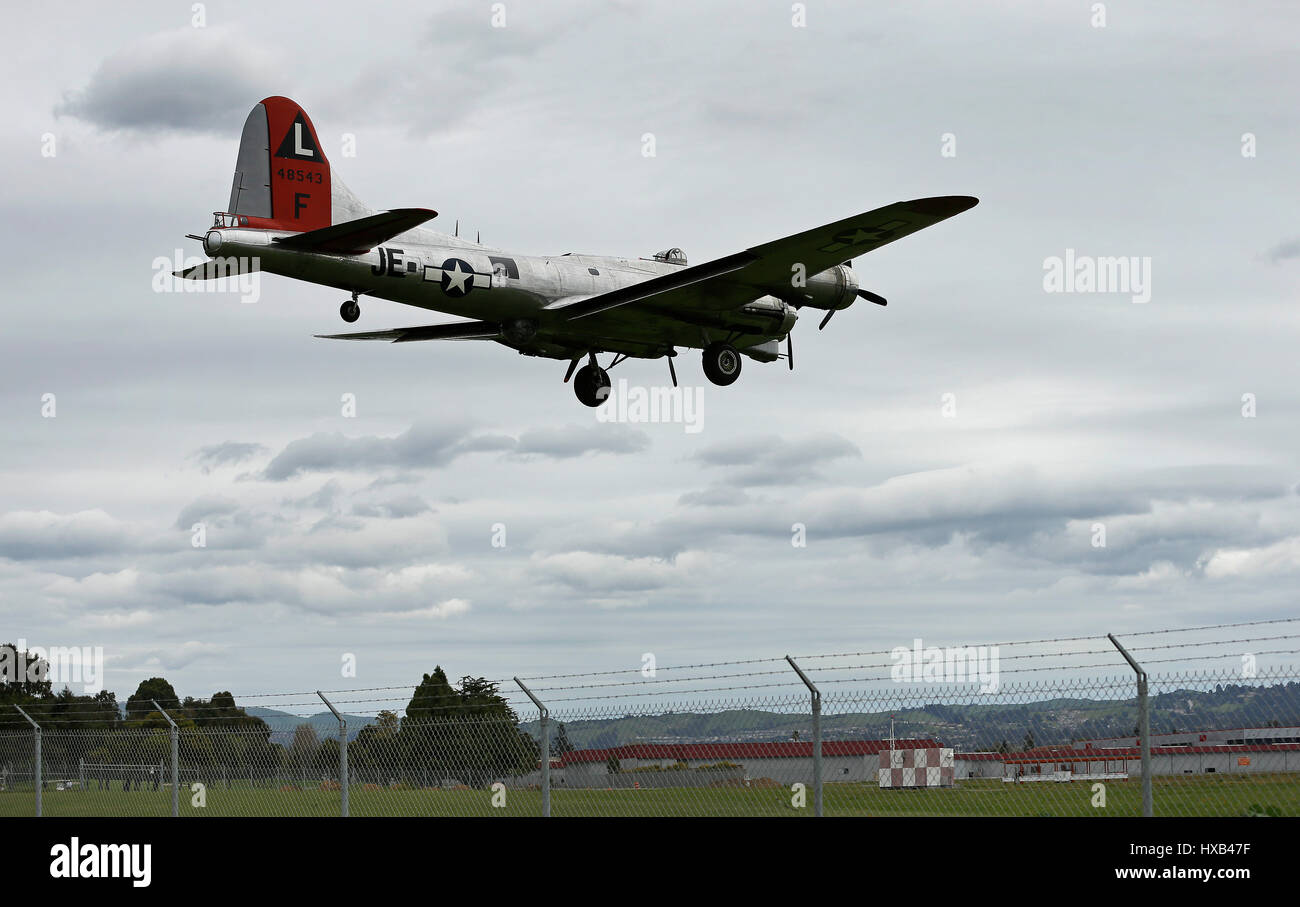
x: 721, y: 363
x: 350, y: 311
x: 591, y: 384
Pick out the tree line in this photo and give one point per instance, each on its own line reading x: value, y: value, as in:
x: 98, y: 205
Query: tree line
x: 465, y: 733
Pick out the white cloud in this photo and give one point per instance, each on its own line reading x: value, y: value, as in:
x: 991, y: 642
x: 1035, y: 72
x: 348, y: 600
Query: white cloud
x: 1279, y: 558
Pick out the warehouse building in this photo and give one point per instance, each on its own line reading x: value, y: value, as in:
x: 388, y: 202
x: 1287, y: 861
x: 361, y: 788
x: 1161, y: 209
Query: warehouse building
x: 705, y: 764
x: 1245, y: 736
x: 645, y: 765
x: 1238, y: 750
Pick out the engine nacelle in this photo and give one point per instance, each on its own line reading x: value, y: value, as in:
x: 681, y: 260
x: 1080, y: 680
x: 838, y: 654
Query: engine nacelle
x: 833, y: 289
x: 769, y: 315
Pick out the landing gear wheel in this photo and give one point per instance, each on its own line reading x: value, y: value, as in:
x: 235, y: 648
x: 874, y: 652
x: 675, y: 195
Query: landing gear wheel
x: 591, y: 384
x: 721, y: 363
x: 350, y: 311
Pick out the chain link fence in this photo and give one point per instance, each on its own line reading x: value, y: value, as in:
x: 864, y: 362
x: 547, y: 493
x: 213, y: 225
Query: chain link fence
x: 1219, y: 745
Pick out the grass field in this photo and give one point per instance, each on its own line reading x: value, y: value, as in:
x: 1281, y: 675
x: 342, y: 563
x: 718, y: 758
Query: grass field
x: 1196, y: 796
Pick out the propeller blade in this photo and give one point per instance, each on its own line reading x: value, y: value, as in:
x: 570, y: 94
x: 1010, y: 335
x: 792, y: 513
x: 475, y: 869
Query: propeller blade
x: 873, y: 297
x: 789, y: 349
x: 825, y: 320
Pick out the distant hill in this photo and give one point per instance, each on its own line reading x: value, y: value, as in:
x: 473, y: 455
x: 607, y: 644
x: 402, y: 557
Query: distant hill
x: 974, y: 727
x: 970, y: 727
x: 324, y: 723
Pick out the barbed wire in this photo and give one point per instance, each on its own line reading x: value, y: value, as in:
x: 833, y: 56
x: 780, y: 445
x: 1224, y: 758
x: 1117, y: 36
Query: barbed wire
x: 933, y: 689
x: 205, y: 711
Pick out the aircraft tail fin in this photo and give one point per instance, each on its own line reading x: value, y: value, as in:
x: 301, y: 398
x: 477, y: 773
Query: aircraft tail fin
x: 283, y: 179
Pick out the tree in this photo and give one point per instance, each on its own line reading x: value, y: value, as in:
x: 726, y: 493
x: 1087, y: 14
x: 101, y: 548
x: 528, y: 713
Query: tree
x: 433, y: 698
x: 239, y: 740
x: 141, y: 701
x: 1029, y: 740
x: 469, y: 734
x: 612, y: 765
x: 22, y: 676
x: 561, y: 745
x: 386, y: 724
x: 302, y: 751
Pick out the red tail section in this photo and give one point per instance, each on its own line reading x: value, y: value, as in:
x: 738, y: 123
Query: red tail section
x: 282, y: 178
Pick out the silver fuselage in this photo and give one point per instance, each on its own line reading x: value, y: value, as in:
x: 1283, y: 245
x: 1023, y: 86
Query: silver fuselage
x: 514, y: 290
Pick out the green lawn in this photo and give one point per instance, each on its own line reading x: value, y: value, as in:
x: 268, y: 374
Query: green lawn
x: 1224, y: 795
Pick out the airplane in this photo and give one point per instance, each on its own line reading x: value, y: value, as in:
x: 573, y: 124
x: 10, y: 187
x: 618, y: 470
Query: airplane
x: 290, y: 214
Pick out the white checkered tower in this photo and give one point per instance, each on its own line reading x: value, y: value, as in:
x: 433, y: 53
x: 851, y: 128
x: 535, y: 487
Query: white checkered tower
x: 926, y: 767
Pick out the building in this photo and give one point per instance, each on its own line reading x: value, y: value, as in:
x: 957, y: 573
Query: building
x: 1245, y: 736
x: 1237, y: 750
x: 705, y: 764
x: 784, y: 763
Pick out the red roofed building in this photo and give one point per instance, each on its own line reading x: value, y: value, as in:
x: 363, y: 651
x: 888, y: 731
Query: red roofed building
x: 1127, y: 761
x: 679, y: 764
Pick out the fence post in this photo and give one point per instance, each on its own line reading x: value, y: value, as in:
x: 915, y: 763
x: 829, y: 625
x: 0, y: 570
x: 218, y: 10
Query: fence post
x: 817, y: 736
x: 343, y: 754
x: 1144, y: 726
x: 545, y: 747
x: 36, y: 731
x: 176, y: 760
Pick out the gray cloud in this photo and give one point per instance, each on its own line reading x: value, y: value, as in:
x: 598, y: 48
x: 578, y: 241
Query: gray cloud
x: 322, y: 498
x: 772, y: 460
x: 28, y: 535
x: 422, y: 446
x: 228, y: 453
x: 576, y: 440
x: 395, y: 508
x: 715, y: 496
x: 1284, y: 251
x: 432, y: 445
x: 187, y: 80
x: 208, y: 506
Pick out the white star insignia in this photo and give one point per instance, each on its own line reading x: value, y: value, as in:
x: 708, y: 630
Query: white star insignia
x: 456, y: 277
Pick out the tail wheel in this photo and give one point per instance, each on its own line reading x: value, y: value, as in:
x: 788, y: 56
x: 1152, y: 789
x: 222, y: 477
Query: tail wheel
x: 721, y: 363
x: 591, y: 385
x: 350, y: 311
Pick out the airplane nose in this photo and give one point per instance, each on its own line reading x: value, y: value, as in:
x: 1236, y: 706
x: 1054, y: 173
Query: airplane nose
x: 212, y: 242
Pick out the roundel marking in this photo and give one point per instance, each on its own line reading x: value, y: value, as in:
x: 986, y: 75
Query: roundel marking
x: 457, y: 277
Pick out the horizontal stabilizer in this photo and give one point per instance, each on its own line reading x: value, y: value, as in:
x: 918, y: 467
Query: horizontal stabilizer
x: 354, y: 237
x: 456, y: 330
x: 215, y: 268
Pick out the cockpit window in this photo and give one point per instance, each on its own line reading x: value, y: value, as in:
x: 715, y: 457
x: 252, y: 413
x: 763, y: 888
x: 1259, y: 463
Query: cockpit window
x: 673, y: 256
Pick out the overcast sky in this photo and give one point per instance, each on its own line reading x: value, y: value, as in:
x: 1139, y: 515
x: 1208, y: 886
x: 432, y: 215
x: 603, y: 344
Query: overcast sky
x: 372, y: 534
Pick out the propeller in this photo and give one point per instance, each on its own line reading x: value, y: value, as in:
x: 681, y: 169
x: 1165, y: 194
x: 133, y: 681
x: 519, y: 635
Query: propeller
x: 864, y: 294
x: 789, y: 349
